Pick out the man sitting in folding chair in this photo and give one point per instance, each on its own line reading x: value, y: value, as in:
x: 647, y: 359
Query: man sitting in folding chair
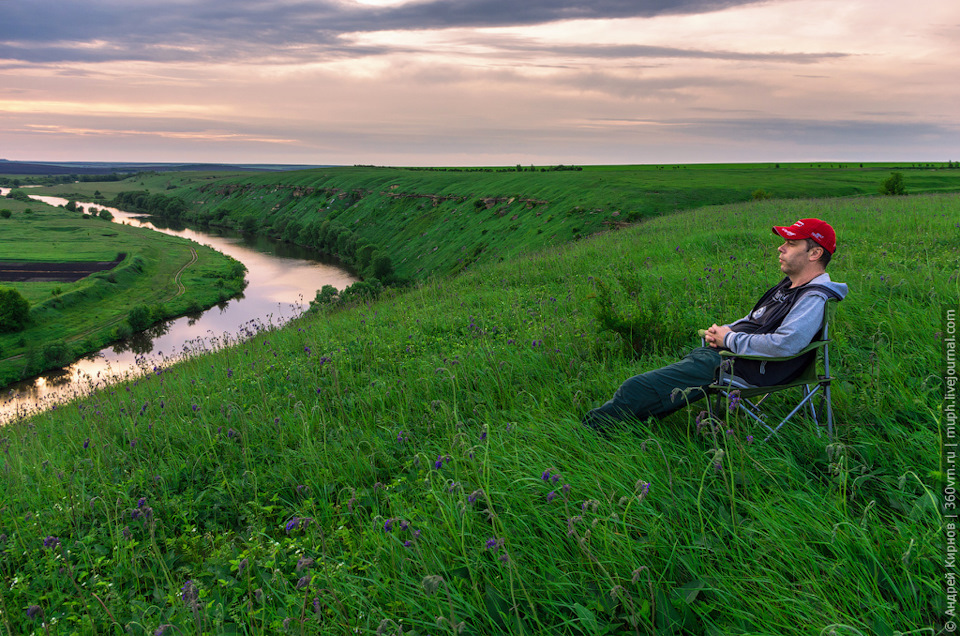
x: 786, y: 319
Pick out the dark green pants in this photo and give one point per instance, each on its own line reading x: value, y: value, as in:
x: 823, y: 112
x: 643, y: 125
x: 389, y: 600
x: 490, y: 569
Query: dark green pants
x: 655, y: 393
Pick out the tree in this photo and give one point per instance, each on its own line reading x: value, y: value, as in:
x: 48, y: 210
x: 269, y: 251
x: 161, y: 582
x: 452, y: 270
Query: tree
x: 893, y: 184
x: 14, y: 310
x: 382, y: 267
x: 139, y: 317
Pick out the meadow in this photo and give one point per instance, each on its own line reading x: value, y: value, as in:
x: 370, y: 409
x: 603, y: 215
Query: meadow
x: 407, y: 224
x: 416, y: 464
x: 166, y: 275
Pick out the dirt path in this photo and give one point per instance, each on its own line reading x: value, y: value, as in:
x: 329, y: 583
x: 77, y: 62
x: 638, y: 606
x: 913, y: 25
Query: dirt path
x: 176, y: 279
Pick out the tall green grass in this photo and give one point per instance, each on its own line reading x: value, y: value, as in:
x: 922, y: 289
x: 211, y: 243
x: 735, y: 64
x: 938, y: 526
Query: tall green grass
x: 417, y: 464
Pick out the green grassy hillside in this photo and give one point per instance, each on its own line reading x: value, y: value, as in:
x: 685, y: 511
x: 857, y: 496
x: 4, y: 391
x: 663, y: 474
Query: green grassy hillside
x: 417, y: 464
x: 409, y: 224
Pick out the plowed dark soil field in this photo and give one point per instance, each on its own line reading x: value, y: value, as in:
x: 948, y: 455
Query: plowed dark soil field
x: 23, y: 272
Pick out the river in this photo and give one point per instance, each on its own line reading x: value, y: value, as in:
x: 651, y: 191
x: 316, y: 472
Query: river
x: 281, y: 280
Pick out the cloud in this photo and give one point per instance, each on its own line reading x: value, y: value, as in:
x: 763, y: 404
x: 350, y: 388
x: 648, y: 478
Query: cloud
x: 44, y: 31
x: 822, y: 133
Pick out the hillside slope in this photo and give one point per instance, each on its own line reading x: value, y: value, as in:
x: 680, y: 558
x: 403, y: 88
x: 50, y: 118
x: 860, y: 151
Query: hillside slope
x: 409, y: 224
x: 417, y: 464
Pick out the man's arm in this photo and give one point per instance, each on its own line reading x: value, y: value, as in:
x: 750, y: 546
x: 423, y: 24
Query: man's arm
x: 795, y: 332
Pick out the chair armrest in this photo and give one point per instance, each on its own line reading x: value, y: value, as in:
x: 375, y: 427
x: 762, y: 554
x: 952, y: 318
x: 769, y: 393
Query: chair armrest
x: 726, y: 353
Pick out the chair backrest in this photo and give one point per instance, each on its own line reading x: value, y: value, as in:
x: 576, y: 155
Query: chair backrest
x: 829, y: 313
x: 809, y: 373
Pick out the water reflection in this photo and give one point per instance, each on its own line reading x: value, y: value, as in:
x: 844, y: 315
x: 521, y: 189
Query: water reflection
x: 281, y: 278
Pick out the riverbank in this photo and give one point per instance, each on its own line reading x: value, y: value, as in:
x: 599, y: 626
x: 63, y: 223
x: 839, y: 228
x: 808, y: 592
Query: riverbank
x: 417, y: 463
x: 159, y: 277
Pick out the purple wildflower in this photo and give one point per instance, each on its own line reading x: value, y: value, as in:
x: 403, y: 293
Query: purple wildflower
x: 734, y: 400
x: 545, y: 476
x: 292, y: 524
x: 492, y: 544
x: 303, y: 582
x: 86, y: 443
x: 188, y: 593
x: 388, y: 525
x: 51, y: 542
x: 749, y: 439
x: 33, y: 611
x: 439, y: 463
x: 551, y: 495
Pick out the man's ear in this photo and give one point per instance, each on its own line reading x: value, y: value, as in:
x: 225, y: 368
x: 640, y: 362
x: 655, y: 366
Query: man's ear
x: 814, y: 255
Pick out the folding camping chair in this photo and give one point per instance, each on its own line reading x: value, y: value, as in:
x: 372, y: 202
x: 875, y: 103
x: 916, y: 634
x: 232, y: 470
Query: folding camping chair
x: 751, y: 399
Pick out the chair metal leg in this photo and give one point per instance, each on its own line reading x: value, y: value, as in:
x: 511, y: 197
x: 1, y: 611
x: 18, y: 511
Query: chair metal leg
x: 799, y: 406
x: 826, y: 391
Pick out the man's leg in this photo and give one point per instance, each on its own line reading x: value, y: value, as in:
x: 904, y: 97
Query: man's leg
x: 654, y: 393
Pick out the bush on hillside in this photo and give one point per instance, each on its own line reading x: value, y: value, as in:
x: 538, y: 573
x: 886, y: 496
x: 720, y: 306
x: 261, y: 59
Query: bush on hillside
x: 19, y: 195
x: 327, y: 296
x: 650, y: 324
x: 362, y: 290
x: 893, y: 184
x: 140, y: 317
x: 57, y: 354
x: 382, y: 267
x: 14, y: 310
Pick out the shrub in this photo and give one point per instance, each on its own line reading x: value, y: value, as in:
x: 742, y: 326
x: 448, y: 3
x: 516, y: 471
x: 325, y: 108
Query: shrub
x: 56, y: 354
x: 651, y: 323
x: 760, y: 194
x: 362, y: 290
x: 893, y: 184
x: 5, y: 214
x: 139, y: 318
x: 382, y: 267
x: 14, y: 310
x: 105, y: 215
x: 326, y: 296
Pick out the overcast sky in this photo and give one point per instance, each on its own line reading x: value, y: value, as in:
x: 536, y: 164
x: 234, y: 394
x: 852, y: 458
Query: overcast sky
x: 479, y: 82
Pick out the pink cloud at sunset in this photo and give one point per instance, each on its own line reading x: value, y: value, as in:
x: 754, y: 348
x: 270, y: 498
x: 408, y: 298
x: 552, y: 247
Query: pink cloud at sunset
x: 480, y: 82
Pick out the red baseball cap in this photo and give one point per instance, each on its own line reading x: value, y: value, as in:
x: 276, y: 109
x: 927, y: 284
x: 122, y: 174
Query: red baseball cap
x: 819, y: 231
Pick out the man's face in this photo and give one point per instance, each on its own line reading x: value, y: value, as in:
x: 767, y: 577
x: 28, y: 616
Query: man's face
x: 794, y: 256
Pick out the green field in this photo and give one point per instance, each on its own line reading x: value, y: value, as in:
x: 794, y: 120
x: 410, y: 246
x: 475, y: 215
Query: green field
x: 416, y: 464
x: 70, y: 319
x: 444, y: 221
